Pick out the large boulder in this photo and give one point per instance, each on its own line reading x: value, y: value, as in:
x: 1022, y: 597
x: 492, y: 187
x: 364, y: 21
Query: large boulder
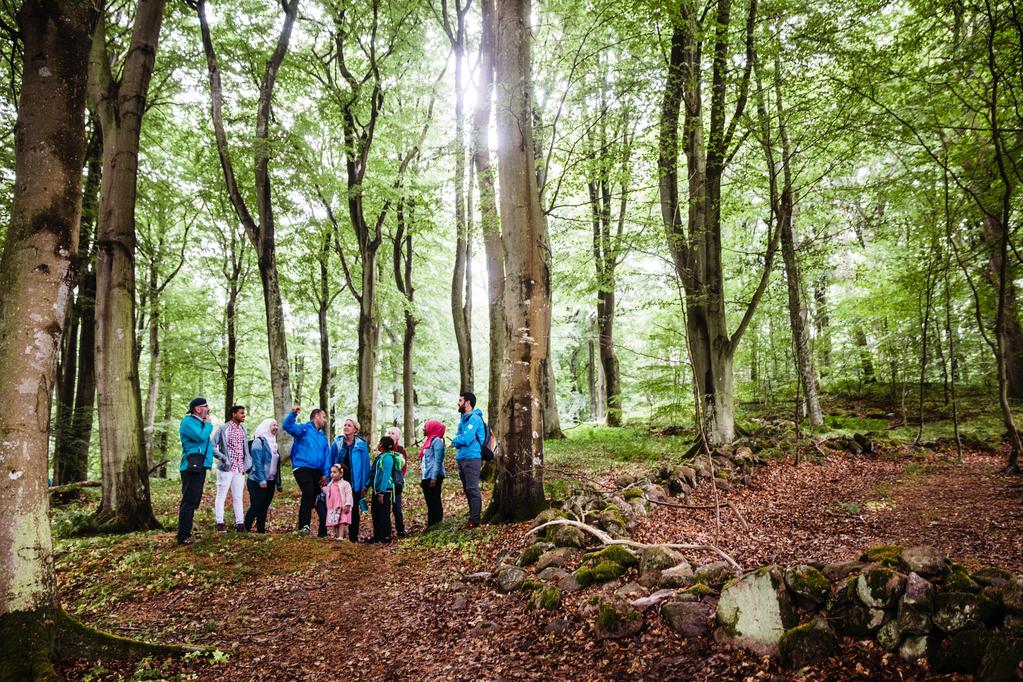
x: 880, y: 587
x: 508, y: 578
x: 923, y: 560
x: 756, y: 610
x: 808, y: 584
x: 689, y: 618
x: 808, y: 644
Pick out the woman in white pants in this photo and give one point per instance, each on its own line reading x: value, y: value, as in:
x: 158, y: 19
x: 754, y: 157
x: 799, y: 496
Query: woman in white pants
x: 231, y: 447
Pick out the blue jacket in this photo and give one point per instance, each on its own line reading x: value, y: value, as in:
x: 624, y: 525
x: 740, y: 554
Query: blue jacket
x: 432, y: 462
x: 195, y: 439
x: 310, y: 449
x: 383, y: 468
x: 354, y: 458
x: 261, y: 456
x: 471, y: 433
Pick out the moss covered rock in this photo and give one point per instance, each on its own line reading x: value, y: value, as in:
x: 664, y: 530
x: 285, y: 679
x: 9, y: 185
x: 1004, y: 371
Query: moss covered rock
x: 714, y: 574
x: 680, y: 575
x: 658, y: 558
x: 616, y: 553
x: 616, y: 619
x: 608, y: 570
x: 1012, y: 596
x: 880, y: 587
x: 808, y: 644
x: 808, y: 584
x: 889, y: 636
x: 991, y: 577
x: 956, y: 579
x: 508, y: 578
x: 548, y: 515
x: 612, y: 520
x: 919, y: 594
x: 916, y: 646
x: 546, y: 598
x: 633, y: 494
x: 532, y: 553
x: 923, y: 560
x: 889, y: 555
x: 1001, y: 660
x: 755, y: 610
x: 568, y: 536
x: 847, y: 613
x: 558, y: 557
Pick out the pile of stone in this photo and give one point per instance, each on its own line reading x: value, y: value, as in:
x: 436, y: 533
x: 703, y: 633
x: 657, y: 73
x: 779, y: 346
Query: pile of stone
x: 912, y: 601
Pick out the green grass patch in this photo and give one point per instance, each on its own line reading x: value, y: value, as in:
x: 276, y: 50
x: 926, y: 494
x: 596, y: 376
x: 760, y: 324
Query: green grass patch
x: 450, y: 535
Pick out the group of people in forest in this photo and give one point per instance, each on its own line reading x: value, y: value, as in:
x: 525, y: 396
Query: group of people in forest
x: 334, y: 477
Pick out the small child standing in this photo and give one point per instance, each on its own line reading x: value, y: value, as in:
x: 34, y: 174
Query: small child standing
x: 339, y: 503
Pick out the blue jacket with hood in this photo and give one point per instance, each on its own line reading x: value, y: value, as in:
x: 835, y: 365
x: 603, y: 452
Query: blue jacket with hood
x: 310, y: 449
x: 471, y: 432
x: 354, y: 458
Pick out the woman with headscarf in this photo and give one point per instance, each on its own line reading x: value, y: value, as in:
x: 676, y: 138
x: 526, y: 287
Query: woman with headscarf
x: 265, y: 476
x: 401, y: 466
x: 431, y: 457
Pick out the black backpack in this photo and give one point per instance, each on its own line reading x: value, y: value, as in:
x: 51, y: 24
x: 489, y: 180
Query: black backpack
x: 488, y: 447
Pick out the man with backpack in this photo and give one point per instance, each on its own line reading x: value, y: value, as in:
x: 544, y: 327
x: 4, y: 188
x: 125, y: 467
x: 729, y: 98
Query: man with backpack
x: 472, y: 434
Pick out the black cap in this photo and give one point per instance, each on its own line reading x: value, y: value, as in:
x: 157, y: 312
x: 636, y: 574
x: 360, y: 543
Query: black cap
x: 196, y: 402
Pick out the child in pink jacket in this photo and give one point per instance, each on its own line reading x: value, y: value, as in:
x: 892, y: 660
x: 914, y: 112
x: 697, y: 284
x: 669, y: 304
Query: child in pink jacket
x: 339, y: 503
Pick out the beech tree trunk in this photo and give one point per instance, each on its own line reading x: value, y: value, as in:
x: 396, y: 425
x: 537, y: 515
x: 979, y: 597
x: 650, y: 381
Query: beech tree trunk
x: 490, y: 220
x: 261, y: 230
x: 70, y: 460
x: 405, y: 214
x: 823, y: 322
x: 866, y: 361
x: 461, y: 278
x: 1012, y: 336
x: 323, y: 299
x: 36, y: 276
x: 695, y: 243
x: 231, y: 328
x: 125, y: 503
x: 518, y: 491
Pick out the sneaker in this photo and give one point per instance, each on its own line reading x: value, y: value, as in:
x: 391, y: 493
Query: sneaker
x: 470, y: 526
x: 240, y: 528
x: 221, y: 528
x: 304, y: 530
x: 190, y: 540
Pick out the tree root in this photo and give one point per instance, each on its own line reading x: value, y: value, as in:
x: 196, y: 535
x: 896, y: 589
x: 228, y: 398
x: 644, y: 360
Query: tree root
x: 33, y: 640
x: 608, y: 540
x: 731, y: 506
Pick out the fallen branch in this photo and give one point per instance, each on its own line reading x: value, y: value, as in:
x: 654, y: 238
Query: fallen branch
x: 157, y: 467
x: 608, y: 540
x: 67, y: 487
x: 731, y: 506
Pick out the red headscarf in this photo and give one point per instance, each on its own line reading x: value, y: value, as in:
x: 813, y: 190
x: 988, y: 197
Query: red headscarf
x: 432, y: 429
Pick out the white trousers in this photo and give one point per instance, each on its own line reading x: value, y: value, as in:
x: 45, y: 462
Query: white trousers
x: 235, y: 482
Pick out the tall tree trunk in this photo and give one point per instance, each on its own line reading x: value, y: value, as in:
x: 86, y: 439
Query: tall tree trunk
x: 786, y: 216
x: 551, y: 418
x: 461, y: 293
x: 80, y: 436
x: 163, y: 440
x: 70, y: 463
x: 866, y: 362
x: 518, y: 491
x: 405, y: 214
x: 490, y: 221
x: 36, y: 276
x: 125, y: 503
x: 262, y: 229
x: 369, y: 342
x: 1012, y: 336
x: 697, y: 255
x: 153, y: 392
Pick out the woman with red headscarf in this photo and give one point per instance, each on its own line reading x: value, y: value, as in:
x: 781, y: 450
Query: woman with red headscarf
x: 431, y: 460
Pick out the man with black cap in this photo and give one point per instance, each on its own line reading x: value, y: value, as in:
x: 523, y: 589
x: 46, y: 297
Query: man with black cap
x: 196, y: 460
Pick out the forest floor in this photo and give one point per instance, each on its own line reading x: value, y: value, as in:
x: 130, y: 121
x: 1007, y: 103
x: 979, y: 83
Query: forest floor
x: 285, y: 607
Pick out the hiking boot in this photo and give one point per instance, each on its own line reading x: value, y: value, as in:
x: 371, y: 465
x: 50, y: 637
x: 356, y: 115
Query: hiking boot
x: 190, y: 540
x: 304, y: 530
x: 240, y: 528
x: 221, y: 528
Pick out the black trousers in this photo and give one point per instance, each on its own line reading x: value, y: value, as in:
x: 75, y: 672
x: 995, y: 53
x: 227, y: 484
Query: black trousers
x: 191, y: 495
x: 259, y: 504
x: 353, y: 527
x: 434, y: 508
x: 399, y: 517
x: 381, y: 517
x: 309, y: 483
x: 321, y: 511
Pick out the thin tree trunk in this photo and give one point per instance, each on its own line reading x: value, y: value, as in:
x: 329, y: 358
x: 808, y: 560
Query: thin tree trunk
x: 70, y: 462
x: 125, y: 503
x: 866, y: 362
x: 80, y: 436
x: 823, y: 323
x: 403, y: 279
x: 323, y: 299
x: 518, y: 491
x: 952, y: 362
x: 231, y: 324
x: 36, y: 275
x: 926, y: 323
x: 152, y: 394
x: 262, y: 229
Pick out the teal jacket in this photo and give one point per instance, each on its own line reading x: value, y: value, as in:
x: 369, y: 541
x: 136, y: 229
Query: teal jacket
x: 383, y: 467
x: 470, y: 436
x: 195, y: 439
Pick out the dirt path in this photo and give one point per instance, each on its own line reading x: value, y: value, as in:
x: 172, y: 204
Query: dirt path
x: 364, y: 612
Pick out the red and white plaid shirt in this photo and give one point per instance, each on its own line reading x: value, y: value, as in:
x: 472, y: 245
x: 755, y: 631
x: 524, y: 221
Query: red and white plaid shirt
x: 236, y: 447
